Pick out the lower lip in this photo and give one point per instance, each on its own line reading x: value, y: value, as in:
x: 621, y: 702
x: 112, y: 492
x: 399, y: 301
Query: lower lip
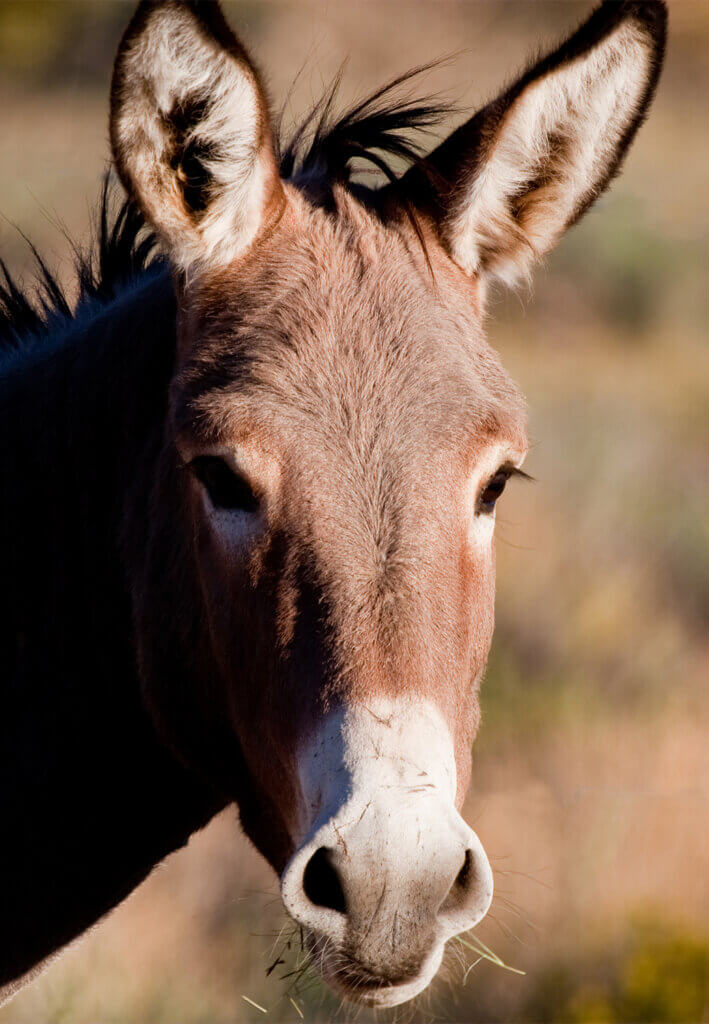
x: 384, y: 995
x: 377, y: 993
x: 381, y: 994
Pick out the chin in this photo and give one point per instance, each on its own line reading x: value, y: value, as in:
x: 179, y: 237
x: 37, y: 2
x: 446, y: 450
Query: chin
x: 359, y: 985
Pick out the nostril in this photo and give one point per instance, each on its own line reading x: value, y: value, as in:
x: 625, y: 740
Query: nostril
x: 467, y: 894
x: 463, y: 878
x: 321, y: 883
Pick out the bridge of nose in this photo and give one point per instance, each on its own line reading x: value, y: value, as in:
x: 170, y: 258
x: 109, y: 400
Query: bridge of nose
x: 382, y: 755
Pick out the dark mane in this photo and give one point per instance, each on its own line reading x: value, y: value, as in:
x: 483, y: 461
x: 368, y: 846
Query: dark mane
x: 123, y: 248
x: 322, y: 150
x: 380, y: 130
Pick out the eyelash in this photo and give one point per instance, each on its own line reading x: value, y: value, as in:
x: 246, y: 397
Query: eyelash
x: 492, y: 491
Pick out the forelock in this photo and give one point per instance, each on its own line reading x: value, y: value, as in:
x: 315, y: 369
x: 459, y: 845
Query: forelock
x: 337, y: 315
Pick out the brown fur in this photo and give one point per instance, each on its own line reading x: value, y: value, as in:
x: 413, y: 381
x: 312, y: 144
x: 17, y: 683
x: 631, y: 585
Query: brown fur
x: 373, y: 401
x: 343, y: 356
x: 329, y: 340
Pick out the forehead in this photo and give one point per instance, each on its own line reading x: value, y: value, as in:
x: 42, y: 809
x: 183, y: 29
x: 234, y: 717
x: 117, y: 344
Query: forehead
x: 339, y: 324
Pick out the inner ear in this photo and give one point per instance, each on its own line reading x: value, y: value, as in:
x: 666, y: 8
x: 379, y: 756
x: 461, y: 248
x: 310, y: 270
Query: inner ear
x: 190, y: 156
x: 504, y: 187
x: 190, y: 131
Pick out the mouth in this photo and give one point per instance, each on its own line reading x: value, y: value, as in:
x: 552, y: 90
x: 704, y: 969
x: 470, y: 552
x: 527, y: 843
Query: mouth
x: 358, y: 984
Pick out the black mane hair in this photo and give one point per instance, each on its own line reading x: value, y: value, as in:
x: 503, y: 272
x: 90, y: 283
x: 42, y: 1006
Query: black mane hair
x: 122, y: 250
x: 381, y: 130
x: 323, y: 150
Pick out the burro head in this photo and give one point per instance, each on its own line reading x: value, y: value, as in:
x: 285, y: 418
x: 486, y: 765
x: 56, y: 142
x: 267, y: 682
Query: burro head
x: 315, y: 549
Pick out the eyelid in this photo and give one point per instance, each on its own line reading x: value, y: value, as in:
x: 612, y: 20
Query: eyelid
x: 224, y: 453
x: 231, y: 464
x: 510, y: 470
x: 229, y: 457
x: 505, y: 471
x: 259, y: 467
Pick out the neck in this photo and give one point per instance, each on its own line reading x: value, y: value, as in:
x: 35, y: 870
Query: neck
x: 90, y: 799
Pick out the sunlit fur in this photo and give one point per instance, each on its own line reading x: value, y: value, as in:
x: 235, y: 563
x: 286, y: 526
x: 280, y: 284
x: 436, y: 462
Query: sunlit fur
x: 550, y: 156
x: 177, y: 87
x: 328, y: 342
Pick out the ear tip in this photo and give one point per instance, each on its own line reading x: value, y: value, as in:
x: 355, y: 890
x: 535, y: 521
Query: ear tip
x: 651, y: 14
x: 205, y: 12
x: 207, y: 16
x: 156, y: 5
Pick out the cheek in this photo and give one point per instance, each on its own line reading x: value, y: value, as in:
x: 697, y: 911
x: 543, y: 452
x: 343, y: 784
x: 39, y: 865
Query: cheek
x: 229, y: 550
x: 479, y: 576
x: 223, y: 578
x: 244, y: 618
x: 481, y: 536
x: 464, y: 767
x: 464, y: 729
x: 236, y: 620
x: 477, y: 609
x: 483, y: 624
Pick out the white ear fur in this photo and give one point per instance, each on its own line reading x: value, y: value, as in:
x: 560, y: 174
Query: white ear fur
x: 190, y: 132
x: 528, y: 165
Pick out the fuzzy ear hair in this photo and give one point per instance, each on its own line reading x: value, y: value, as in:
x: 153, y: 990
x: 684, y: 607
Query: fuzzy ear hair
x: 190, y: 131
x: 506, y: 185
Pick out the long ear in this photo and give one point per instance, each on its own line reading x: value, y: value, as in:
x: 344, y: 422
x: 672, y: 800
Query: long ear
x: 190, y: 131
x: 505, y: 186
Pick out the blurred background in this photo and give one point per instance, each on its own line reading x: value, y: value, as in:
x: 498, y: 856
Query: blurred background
x: 591, y: 773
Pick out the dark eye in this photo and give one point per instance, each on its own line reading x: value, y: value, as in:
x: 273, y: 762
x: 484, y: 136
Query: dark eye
x: 493, y: 489
x: 226, y: 488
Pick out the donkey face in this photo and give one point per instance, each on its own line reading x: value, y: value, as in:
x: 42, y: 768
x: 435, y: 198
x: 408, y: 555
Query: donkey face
x: 338, y: 434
